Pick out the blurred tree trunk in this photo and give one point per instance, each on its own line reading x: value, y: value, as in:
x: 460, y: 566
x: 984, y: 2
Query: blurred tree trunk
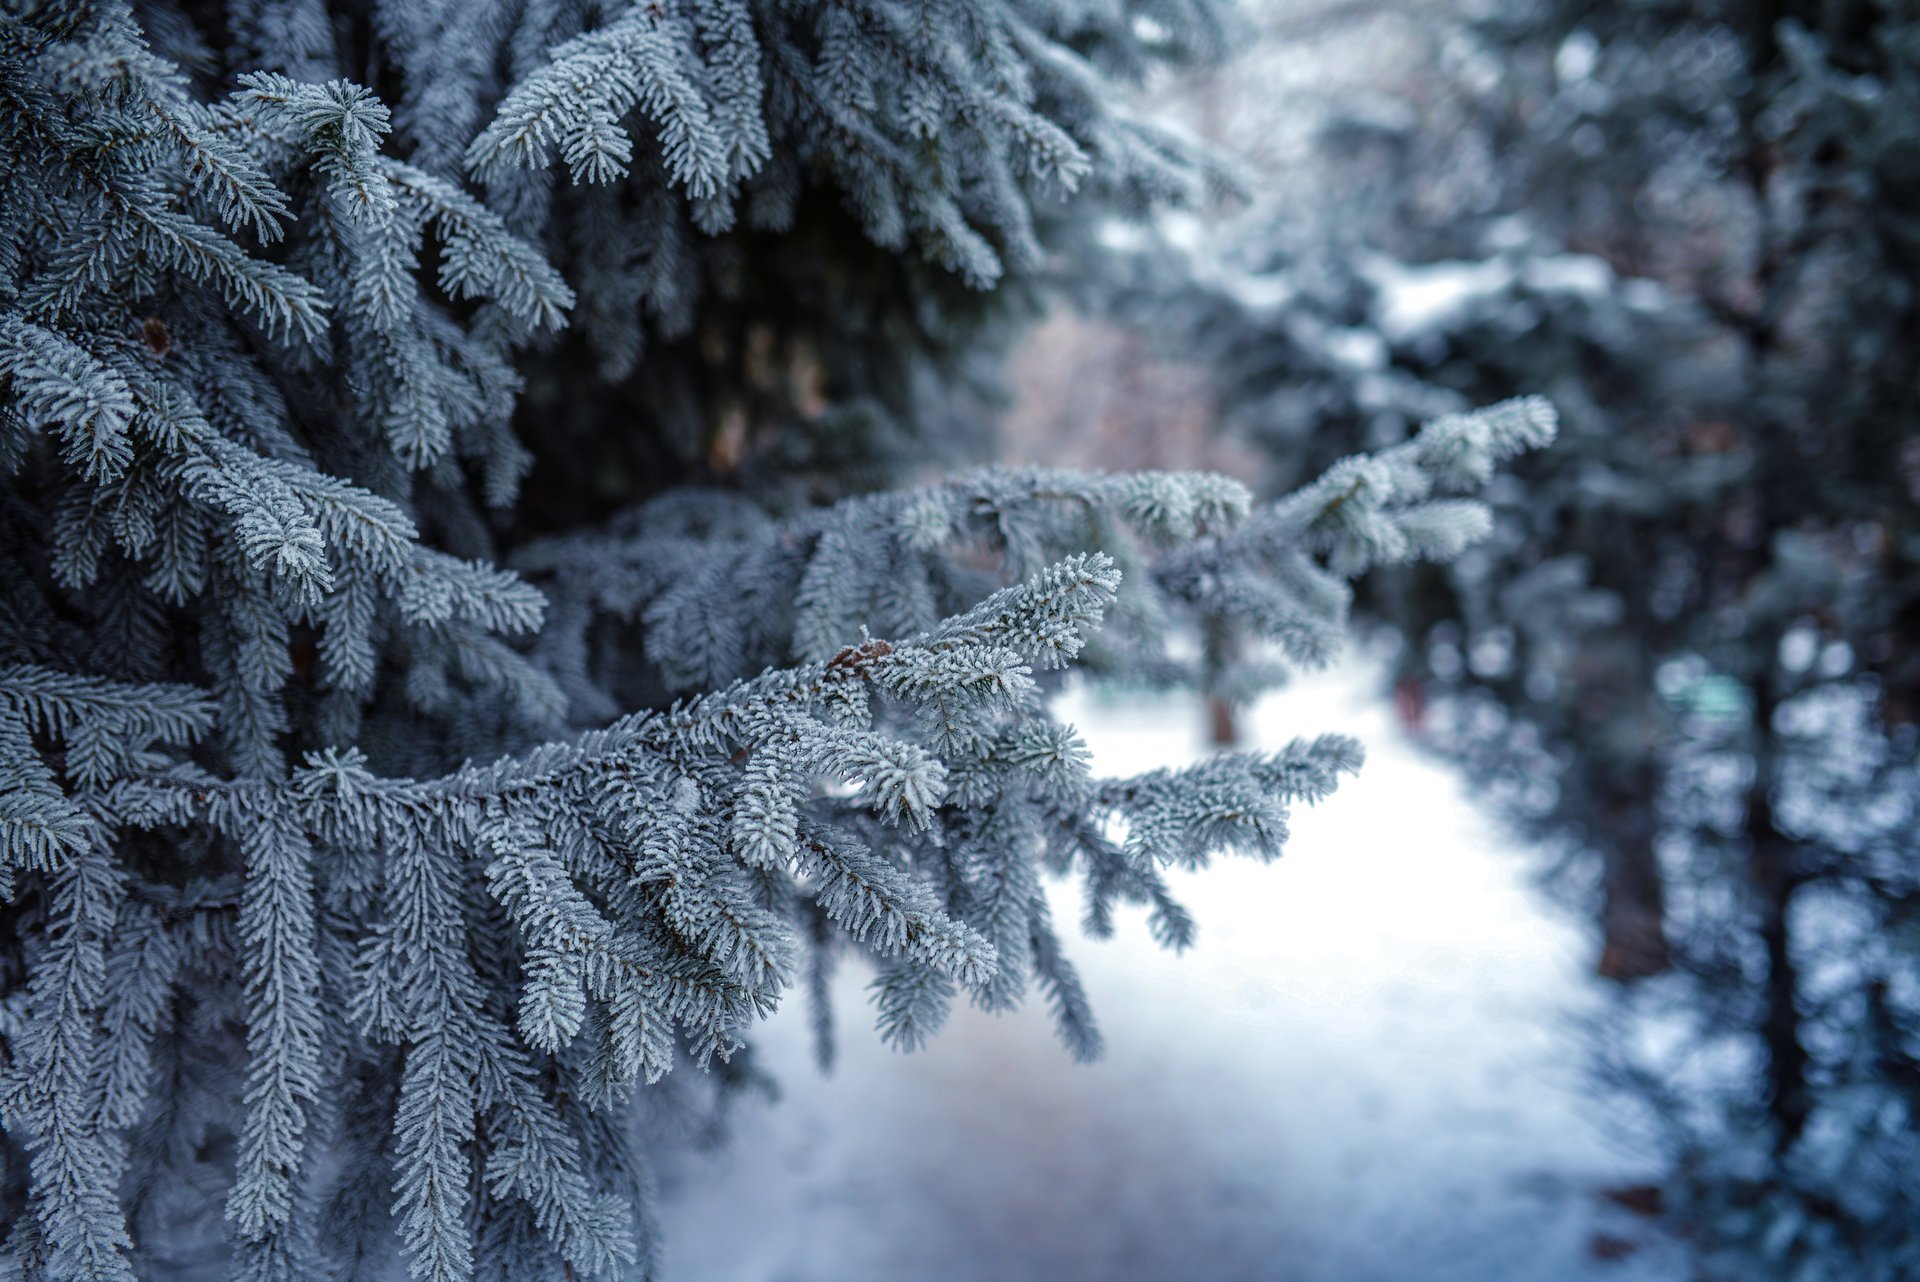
x: 1223, y: 722
x: 1771, y: 864
x: 1221, y: 651
x: 1633, y: 908
x: 1621, y: 729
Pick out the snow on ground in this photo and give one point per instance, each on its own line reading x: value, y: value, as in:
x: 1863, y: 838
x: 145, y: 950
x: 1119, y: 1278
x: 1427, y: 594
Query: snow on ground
x: 1360, y: 1074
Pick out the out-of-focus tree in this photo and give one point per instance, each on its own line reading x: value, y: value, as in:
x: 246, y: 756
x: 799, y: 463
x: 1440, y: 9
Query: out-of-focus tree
x: 1686, y: 659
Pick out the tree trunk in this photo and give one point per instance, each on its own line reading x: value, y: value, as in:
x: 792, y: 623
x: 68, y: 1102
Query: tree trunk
x: 1223, y: 724
x: 1633, y: 910
x: 1771, y: 866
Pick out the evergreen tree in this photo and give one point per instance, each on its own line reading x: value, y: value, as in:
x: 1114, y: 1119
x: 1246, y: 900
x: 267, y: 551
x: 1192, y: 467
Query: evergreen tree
x: 1684, y: 658
x: 451, y: 671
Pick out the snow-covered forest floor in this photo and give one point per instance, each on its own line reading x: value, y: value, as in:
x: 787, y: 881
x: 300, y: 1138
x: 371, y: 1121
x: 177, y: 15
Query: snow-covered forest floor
x: 1364, y: 1072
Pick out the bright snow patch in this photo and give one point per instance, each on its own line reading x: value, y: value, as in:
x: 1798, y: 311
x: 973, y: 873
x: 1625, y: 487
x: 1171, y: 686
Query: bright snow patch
x: 1586, y: 274
x: 1416, y: 299
x: 1420, y: 298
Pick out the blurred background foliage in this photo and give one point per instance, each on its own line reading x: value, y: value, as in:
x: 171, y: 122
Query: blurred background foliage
x: 1685, y: 663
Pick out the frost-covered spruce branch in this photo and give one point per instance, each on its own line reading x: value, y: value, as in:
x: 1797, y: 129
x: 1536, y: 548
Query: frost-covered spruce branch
x: 646, y: 882
x: 719, y: 588
x: 1282, y: 576
x: 181, y: 462
x: 895, y: 102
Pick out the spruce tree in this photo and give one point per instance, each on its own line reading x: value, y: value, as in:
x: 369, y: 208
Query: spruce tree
x: 1684, y: 659
x: 465, y: 652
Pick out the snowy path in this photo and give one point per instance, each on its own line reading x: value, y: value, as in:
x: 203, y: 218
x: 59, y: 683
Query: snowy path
x: 1354, y: 1077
